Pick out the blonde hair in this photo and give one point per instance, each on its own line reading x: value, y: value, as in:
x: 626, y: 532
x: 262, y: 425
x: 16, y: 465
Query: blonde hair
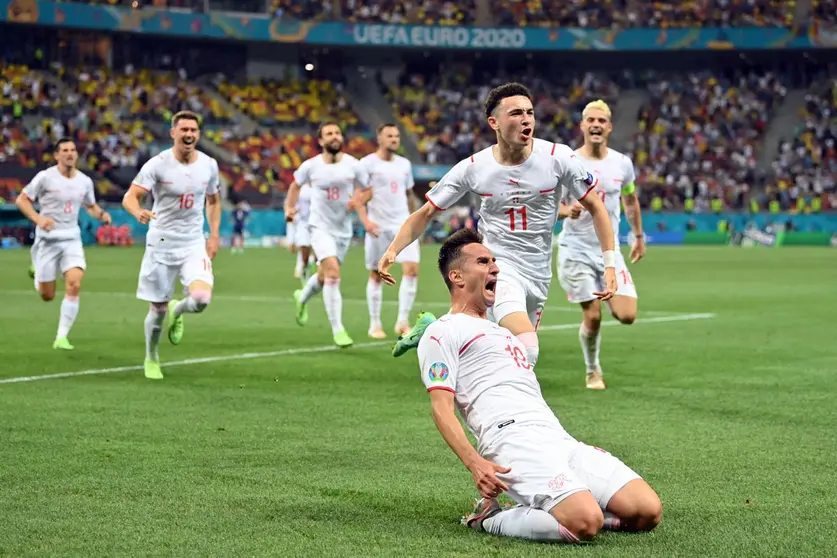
x: 597, y: 104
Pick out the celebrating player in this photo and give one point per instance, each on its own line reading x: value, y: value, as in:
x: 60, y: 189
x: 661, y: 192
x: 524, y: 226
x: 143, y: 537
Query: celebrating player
x: 580, y: 264
x: 239, y: 215
x: 332, y: 176
x: 481, y: 369
x: 60, y: 190
x: 389, y: 205
x: 182, y: 180
x: 301, y: 239
x: 519, y: 180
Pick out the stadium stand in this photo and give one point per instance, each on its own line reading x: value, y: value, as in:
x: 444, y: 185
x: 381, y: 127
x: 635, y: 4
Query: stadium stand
x: 699, y: 136
x: 425, y: 12
x: 445, y: 109
x: 623, y: 13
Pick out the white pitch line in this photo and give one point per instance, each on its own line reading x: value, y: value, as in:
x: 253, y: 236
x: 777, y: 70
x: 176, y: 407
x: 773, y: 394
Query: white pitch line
x: 304, y: 350
x: 257, y: 298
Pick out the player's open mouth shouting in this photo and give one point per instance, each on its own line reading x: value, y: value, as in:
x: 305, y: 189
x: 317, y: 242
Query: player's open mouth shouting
x: 526, y: 133
x: 596, y: 133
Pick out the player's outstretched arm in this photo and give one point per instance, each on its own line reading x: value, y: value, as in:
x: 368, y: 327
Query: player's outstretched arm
x: 604, y: 232
x: 483, y: 471
x: 24, y: 204
x: 132, y: 201
x: 98, y: 213
x: 412, y: 228
x: 634, y: 215
x: 290, y: 201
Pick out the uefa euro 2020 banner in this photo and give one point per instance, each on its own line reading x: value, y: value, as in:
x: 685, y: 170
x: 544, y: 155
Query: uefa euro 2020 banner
x: 262, y: 27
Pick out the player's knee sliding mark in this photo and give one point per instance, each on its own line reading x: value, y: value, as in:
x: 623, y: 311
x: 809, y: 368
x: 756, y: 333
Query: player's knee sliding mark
x: 201, y: 299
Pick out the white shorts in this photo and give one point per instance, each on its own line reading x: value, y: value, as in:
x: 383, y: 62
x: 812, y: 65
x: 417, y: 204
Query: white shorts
x: 327, y: 245
x: 547, y: 466
x: 301, y: 237
x: 516, y: 294
x: 160, y: 267
x: 290, y: 232
x: 579, y: 276
x: 375, y: 248
x: 53, y: 256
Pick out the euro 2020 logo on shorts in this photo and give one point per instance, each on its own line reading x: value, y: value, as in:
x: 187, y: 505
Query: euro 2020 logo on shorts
x: 438, y: 372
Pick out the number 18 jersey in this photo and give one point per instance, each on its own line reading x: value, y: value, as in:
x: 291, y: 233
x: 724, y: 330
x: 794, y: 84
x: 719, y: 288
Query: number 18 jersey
x: 519, y: 203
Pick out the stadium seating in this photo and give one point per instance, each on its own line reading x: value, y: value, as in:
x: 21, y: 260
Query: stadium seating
x: 20, y: 85
x: 699, y: 135
x: 445, y: 109
x: 622, y: 13
x: 806, y: 163
x: 292, y: 102
x: 426, y: 12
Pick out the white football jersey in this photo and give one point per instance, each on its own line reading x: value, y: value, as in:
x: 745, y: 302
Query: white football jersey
x: 60, y: 199
x: 303, y: 205
x: 179, y: 192
x: 612, y: 173
x: 390, y: 182
x: 519, y: 203
x: 486, y: 369
x: 332, y: 186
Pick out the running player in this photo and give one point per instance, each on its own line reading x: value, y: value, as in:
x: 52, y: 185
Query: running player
x: 60, y: 190
x: 182, y: 181
x: 580, y: 265
x: 389, y: 204
x: 519, y: 180
x: 565, y: 490
x: 239, y: 215
x: 333, y: 177
x: 301, y: 236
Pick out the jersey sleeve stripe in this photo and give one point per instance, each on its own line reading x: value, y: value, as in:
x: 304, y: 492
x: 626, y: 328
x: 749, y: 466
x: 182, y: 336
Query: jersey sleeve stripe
x: 554, y: 145
x: 469, y: 343
x: 446, y: 388
x: 427, y: 197
x: 548, y: 191
x: 139, y: 186
x: 593, y: 187
x: 472, y: 158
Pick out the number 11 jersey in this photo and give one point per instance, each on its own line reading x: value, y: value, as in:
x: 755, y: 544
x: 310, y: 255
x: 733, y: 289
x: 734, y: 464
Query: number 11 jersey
x: 519, y: 203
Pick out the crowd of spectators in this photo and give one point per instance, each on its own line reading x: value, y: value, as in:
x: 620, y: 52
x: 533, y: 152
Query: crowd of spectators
x: 699, y: 135
x: 444, y: 109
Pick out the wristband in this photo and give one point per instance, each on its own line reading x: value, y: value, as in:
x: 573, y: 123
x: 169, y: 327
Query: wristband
x: 609, y: 257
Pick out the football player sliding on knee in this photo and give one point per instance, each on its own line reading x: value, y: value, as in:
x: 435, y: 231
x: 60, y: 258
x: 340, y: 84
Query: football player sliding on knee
x: 565, y: 490
x: 581, y: 269
x: 333, y: 177
x: 60, y: 190
x: 183, y: 181
x: 520, y: 181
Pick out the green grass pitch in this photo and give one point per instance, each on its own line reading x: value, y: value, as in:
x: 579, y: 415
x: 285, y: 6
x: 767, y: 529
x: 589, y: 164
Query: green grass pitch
x: 263, y: 442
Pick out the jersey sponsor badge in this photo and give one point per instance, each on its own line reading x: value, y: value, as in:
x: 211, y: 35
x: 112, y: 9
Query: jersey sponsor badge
x: 438, y: 372
x: 589, y: 180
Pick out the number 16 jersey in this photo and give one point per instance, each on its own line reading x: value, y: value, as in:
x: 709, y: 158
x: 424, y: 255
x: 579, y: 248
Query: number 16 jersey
x: 519, y: 203
x: 179, y: 192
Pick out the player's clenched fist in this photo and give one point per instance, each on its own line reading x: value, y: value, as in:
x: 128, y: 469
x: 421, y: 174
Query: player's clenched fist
x: 485, y: 477
x: 46, y: 223
x: 384, y: 265
x: 145, y: 216
x: 610, y: 284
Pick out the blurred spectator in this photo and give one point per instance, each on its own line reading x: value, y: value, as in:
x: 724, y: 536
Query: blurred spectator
x: 422, y: 12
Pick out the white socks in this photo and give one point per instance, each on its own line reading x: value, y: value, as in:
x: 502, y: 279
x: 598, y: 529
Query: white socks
x: 590, y: 345
x: 374, y: 299
x: 528, y: 523
x: 312, y: 287
x: 195, y: 303
x: 333, y: 303
x: 154, y: 330
x: 406, y: 297
x: 69, y: 311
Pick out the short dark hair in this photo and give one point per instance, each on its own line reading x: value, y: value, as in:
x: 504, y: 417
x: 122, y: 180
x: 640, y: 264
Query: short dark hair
x: 385, y: 125
x: 451, y: 250
x: 185, y: 115
x: 496, y: 95
x: 327, y: 123
x: 62, y: 141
